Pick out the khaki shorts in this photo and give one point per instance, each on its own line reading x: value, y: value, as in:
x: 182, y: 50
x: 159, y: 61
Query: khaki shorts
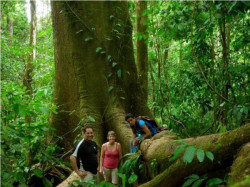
x: 110, y: 175
x: 89, y: 178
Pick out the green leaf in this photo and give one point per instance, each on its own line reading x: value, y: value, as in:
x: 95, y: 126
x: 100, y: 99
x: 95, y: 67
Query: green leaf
x: 91, y: 118
x: 180, y: 28
x: 193, y: 176
x: 244, y: 110
x: 210, y: 155
x: 231, y: 7
x: 123, y: 177
x: 38, y: 172
x: 77, y: 127
x: 119, y: 73
x: 123, y: 98
x: 110, y: 88
x: 189, y: 182
x: 200, y: 155
x: 177, y: 152
x: 44, y: 110
x: 39, y: 93
x: 79, y: 31
x: 198, y: 183
x: 214, y: 182
x: 109, y: 75
x: 88, y: 39
x: 98, y: 49
x: 109, y: 58
x: 107, y: 38
x: 111, y: 17
x: 191, y: 179
x: 153, y: 164
x: 222, y: 104
x: 72, y: 112
x: 47, y: 182
x: 127, y: 155
x: 114, y: 64
x: 189, y: 154
x: 103, y: 52
x: 132, y: 178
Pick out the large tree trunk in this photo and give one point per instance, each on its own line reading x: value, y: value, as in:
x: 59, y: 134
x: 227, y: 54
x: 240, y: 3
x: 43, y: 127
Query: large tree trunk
x: 95, y: 72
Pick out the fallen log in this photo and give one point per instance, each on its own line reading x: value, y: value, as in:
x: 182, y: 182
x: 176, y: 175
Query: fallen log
x: 224, y: 146
x: 67, y: 182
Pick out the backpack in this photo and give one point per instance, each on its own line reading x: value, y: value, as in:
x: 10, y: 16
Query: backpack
x: 151, y: 121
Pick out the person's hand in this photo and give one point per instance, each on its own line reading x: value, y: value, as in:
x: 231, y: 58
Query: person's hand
x: 82, y: 173
x: 101, y: 171
x: 136, y: 141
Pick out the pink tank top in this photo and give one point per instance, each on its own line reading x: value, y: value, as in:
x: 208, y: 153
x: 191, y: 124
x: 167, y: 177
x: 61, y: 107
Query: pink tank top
x: 111, y: 158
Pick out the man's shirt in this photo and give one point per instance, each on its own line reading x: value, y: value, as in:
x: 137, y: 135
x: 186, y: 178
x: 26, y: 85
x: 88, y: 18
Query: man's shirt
x: 86, y: 154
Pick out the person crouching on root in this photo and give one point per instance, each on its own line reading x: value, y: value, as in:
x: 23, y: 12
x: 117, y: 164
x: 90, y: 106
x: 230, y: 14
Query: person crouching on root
x: 111, y: 152
x: 141, y: 130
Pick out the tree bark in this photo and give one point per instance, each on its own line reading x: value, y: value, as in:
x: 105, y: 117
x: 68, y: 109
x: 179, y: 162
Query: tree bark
x: 241, y: 166
x: 95, y: 72
x: 223, y: 146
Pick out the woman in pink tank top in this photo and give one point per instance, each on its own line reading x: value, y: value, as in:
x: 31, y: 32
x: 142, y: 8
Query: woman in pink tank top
x: 110, y: 154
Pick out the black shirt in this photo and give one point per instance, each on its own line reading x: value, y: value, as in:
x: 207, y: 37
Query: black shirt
x: 87, y: 153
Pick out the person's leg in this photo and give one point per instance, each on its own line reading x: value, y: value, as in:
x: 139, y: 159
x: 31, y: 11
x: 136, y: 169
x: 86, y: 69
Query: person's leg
x: 114, y: 176
x: 132, y: 147
x: 107, y: 174
x: 90, y: 177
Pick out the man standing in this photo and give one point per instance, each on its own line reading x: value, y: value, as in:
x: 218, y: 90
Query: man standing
x: 85, y: 156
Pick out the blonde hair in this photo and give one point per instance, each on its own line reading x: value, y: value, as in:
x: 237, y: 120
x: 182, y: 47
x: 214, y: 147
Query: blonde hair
x: 111, y: 133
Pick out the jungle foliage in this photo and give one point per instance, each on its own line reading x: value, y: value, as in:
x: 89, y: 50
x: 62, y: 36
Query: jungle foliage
x: 198, y: 79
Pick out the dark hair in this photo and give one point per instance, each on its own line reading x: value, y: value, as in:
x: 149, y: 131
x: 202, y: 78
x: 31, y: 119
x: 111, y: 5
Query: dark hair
x: 129, y: 115
x: 86, y: 127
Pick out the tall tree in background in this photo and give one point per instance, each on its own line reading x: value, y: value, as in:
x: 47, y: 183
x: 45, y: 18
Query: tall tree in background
x: 225, y: 30
x: 141, y: 47
x: 27, y: 77
x: 95, y: 72
x: 10, y: 27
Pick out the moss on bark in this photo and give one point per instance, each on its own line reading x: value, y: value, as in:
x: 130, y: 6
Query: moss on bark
x: 241, y: 166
